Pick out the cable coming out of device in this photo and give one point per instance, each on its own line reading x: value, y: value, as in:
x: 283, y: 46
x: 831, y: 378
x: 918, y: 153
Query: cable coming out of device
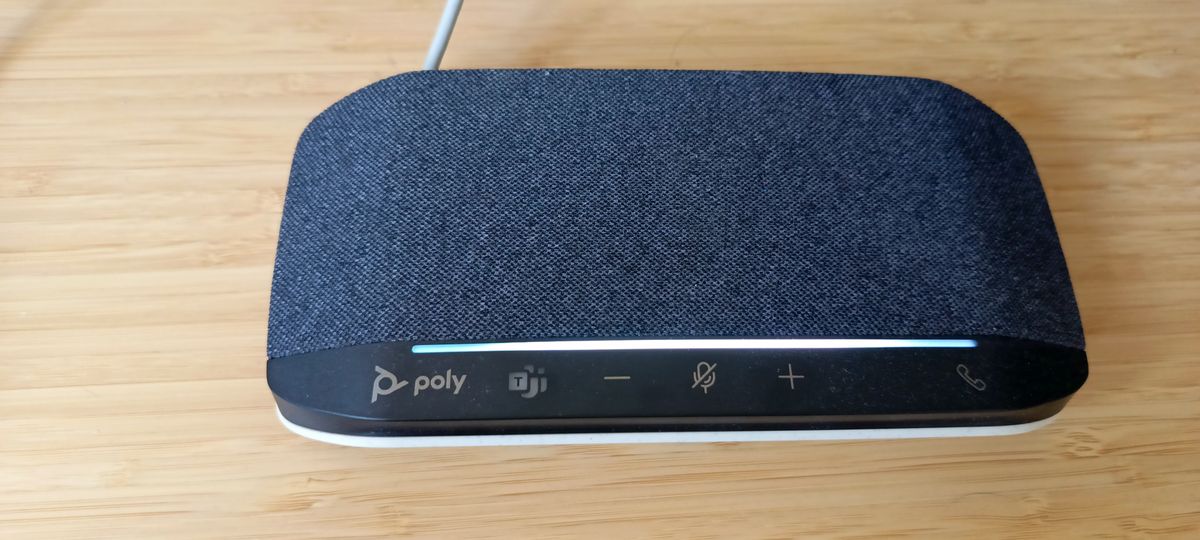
x: 445, y: 27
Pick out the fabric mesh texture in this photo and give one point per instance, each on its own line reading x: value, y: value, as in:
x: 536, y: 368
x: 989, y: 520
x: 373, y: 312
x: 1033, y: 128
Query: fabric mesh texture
x: 542, y: 204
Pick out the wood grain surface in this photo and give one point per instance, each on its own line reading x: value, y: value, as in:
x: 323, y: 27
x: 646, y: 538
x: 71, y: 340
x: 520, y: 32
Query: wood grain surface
x: 144, y: 151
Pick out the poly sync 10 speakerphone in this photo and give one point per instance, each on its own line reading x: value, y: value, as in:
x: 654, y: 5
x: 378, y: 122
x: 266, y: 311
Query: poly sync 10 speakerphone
x: 552, y: 256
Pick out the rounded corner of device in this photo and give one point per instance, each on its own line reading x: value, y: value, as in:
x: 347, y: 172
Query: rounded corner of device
x: 318, y: 435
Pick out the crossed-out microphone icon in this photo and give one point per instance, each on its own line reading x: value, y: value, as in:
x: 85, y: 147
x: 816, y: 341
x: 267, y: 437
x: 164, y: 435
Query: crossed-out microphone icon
x: 705, y: 376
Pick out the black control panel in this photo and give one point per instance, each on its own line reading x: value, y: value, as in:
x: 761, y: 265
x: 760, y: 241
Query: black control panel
x: 388, y: 389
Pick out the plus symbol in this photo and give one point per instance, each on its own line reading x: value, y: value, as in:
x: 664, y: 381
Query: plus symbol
x: 791, y: 377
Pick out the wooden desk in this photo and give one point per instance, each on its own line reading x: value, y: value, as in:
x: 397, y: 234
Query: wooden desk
x: 145, y: 148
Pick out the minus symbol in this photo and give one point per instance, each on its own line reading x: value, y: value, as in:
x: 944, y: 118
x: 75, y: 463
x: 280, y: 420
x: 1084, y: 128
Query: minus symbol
x: 617, y: 377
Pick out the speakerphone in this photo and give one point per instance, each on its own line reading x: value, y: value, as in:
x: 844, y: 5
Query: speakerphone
x: 555, y: 256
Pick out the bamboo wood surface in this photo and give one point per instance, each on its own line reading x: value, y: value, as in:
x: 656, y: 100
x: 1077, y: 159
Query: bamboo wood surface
x: 144, y: 152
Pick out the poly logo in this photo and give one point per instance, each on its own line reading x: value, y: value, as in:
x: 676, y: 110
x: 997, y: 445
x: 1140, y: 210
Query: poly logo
x: 385, y: 375
x: 438, y: 381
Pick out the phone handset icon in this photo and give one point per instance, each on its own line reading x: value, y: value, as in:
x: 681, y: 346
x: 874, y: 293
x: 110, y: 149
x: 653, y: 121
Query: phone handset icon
x: 975, y: 383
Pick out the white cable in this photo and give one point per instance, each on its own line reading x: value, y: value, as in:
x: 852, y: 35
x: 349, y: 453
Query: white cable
x: 438, y: 47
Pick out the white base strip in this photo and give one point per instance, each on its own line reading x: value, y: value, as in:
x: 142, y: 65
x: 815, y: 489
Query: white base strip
x: 656, y: 436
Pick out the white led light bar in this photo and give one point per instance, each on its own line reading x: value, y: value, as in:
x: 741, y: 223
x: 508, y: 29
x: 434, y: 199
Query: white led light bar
x: 698, y: 344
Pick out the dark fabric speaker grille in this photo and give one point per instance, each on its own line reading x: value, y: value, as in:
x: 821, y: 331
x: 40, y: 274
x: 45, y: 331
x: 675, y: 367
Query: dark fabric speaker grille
x: 514, y: 204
